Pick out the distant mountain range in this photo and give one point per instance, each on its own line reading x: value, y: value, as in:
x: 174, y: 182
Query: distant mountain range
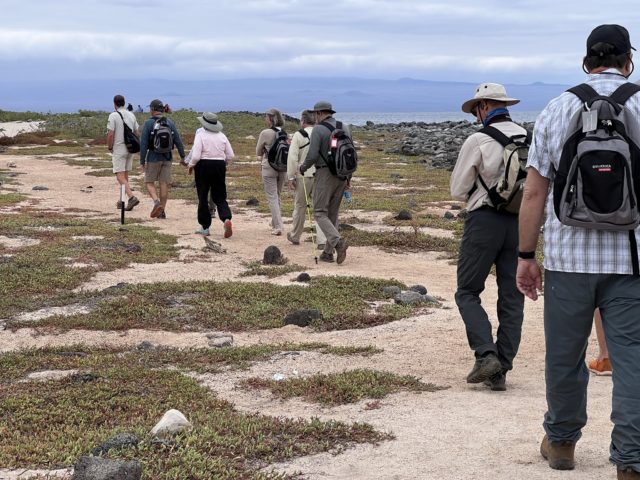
x: 288, y: 94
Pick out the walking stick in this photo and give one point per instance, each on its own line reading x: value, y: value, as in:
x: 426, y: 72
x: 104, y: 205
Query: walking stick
x: 122, y: 197
x: 313, y: 238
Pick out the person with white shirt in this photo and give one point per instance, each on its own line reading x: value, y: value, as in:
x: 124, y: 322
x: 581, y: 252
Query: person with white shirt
x: 209, y: 157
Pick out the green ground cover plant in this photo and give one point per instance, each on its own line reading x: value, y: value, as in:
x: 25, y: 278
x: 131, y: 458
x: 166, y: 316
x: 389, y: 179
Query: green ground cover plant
x: 340, y: 388
x: 231, y: 306
x: 50, y: 424
x: 399, y: 242
x: 257, y: 268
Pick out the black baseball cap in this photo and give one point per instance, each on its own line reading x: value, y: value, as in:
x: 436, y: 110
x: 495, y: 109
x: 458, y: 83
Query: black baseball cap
x: 614, y: 35
x: 157, y: 105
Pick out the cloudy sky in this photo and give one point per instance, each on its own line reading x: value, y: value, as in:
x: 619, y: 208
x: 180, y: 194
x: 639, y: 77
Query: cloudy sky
x: 516, y: 41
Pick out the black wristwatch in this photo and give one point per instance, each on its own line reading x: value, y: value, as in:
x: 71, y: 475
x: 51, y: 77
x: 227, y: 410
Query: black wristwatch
x: 527, y: 255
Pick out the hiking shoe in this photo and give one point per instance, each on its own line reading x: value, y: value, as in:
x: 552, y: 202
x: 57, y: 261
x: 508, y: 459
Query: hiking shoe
x: 321, y: 246
x: 157, y: 209
x: 202, y: 231
x: 228, y: 228
x: 119, y: 204
x: 559, y: 454
x: 341, y: 250
x: 133, y: 201
x: 163, y: 214
x: 484, y: 368
x: 600, y: 366
x: 290, y: 238
x: 276, y: 231
x: 627, y: 474
x: 497, y: 382
x: 326, y: 257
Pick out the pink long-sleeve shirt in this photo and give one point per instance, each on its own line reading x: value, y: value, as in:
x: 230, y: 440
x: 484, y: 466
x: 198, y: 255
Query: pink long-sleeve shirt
x: 210, y: 146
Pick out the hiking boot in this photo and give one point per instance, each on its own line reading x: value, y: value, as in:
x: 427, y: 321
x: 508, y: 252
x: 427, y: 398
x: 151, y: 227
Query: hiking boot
x: 133, y: 201
x: 326, y: 257
x: 484, y: 368
x: 276, y: 231
x: 341, y: 250
x: 228, y: 228
x: 627, y: 474
x: 497, y: 382
x: 600, y: 366
x: 202, y: 231
x: 163, y: 214
x: 559, y: 454
x: 157, y: 209
x: 290, y: 238
x: 321, y: 246
x: 119, y: 204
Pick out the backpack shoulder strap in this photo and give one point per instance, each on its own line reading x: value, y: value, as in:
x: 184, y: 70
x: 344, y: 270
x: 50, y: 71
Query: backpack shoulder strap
x: 328, y: 125
x: 584, y: 92
x: 624, y: 92
x: 496, y: 134
x: 339, y: 125
x: 304, y: 133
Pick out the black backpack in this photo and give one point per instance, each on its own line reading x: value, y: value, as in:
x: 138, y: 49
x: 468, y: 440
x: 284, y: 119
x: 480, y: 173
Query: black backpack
x: 598, y: 175
x: 278, y: 154
x: 342, y: 158
x: 161, y: 136
x: 131, y: 140
x: 506, y: 195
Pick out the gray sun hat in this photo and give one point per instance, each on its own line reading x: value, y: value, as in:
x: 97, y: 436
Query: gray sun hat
x: 489, y: 91
x: 210, y: 122
x: 322, y: 106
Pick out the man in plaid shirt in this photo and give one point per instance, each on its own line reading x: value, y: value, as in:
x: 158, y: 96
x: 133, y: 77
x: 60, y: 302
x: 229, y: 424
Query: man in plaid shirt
x: 584, y: 269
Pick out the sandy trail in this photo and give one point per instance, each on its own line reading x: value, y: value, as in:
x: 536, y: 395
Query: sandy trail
x: 463, y: 432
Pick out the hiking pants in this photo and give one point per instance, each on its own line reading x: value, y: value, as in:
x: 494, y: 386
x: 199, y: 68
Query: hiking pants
x: 300, y: 210
x: 327, y: 196
x: 210, y: 180
x: 490, y: 238
x: 273, y: 182
x: 569, y: 302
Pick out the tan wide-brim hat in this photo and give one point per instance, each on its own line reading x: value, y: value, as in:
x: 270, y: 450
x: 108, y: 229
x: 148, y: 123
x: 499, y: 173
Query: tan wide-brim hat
x: 210, y: 122
x: 489, y: 91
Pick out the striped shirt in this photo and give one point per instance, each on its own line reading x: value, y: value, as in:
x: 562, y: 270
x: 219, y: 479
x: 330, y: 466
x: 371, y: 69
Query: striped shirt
x: 575, y: 249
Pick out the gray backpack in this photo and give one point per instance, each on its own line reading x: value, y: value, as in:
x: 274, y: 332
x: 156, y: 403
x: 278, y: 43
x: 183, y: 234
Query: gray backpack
x: 598, y: 176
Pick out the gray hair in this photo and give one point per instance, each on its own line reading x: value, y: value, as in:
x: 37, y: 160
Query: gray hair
x: 308, y: 117
x: 275, y: 117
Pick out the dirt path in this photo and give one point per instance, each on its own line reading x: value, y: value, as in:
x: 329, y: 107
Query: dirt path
x: 461, y: 433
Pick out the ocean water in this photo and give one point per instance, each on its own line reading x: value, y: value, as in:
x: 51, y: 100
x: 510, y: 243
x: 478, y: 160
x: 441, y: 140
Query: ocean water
x: 361, y: 118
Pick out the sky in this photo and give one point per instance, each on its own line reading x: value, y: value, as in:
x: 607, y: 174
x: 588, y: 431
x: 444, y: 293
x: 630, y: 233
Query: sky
x: 516, y: 41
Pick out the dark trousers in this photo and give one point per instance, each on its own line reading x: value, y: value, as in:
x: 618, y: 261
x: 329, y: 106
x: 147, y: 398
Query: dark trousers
x: 210, y: 179
x: 490, y: 238
x: 569, y: 302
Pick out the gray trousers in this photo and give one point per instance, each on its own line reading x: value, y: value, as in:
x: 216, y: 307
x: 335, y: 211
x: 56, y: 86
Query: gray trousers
x: 300, y: 209
x: 327, y: 196
x: 490, y: 238
x: 273, y: 182
x: 569, y: 302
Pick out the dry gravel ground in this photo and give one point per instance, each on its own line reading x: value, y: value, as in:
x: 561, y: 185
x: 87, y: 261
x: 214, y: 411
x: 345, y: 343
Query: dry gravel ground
x: 464, y: 432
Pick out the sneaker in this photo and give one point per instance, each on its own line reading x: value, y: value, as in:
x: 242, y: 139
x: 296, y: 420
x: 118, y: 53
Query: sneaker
x: 133, y: 201
x: 202, y: 231
x: 276, y: 231
x: 321, y: 246
x: 627, y: 474
x: 163, y: 214
x: 497, y: 382
x: 290, y: 238
x: 341, y: 250
x: 326, y: 257
x: 484, y: 368
x: 600, y: 366
x: 119, y: 204
x: 157, y: 209
x: 228, y: 228
x: 558, y: 454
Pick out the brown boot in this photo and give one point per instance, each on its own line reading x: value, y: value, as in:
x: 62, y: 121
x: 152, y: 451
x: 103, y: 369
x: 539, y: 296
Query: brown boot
x: 558, y: 454
x: 628, y: 474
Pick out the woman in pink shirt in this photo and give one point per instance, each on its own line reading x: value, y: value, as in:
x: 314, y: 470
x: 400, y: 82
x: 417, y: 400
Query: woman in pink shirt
x: 209, y: 157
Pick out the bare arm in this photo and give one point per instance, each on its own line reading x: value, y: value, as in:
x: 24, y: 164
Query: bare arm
x: 110, y: 139
x: 536, y: 188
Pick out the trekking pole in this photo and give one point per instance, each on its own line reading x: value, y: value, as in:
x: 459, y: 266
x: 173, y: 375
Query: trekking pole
x: 313, y: 239
x: 122, y: 196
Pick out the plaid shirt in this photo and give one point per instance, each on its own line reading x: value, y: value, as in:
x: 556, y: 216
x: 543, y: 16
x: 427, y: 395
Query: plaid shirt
x: 574, y: 249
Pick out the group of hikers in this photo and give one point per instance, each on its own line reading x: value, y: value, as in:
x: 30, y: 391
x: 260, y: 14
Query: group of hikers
x: 578, y: 172
x: 308, y: 168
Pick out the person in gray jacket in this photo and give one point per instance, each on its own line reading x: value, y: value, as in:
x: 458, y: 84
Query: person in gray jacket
x: 328, y: 189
